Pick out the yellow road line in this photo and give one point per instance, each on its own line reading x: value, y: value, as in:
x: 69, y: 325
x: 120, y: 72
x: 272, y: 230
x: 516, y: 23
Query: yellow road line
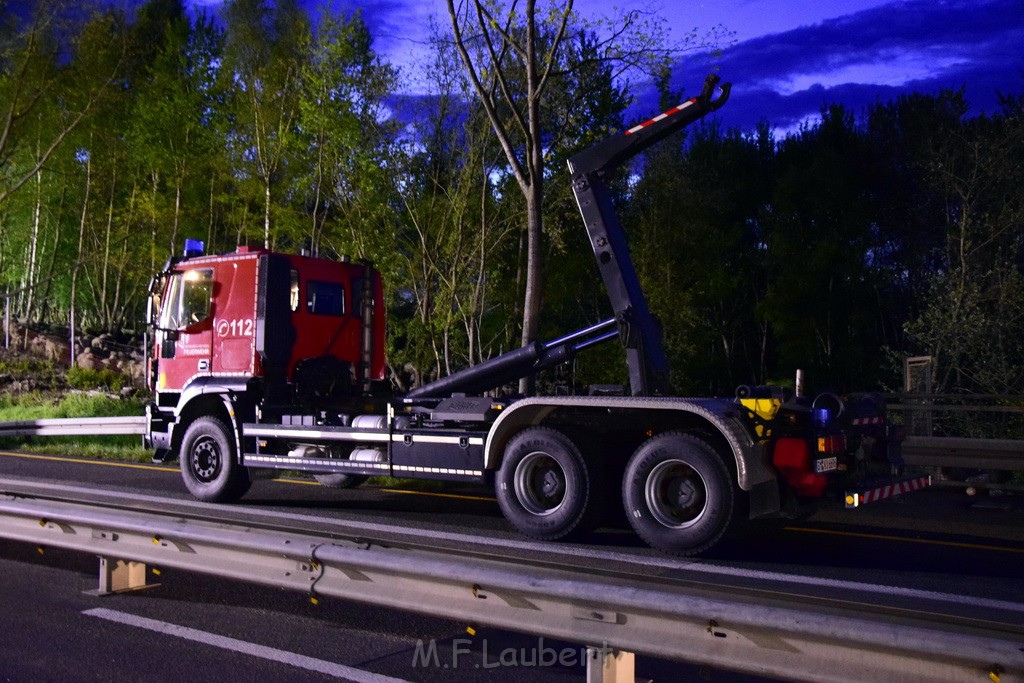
x: 299, y: 482
x: 108, y: 463
x: 457, y: 496
x: 923, y: 541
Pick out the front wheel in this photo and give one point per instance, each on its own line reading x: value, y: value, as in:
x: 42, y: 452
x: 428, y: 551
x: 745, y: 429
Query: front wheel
x: 545, y: 486
x: 209, y: 467
x: 678, y: 494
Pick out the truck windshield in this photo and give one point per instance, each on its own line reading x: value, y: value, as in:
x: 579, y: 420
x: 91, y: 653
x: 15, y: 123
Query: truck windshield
x: 187, y: 299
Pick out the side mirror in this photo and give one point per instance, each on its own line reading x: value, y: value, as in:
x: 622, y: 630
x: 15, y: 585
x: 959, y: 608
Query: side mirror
x: 167, y: 343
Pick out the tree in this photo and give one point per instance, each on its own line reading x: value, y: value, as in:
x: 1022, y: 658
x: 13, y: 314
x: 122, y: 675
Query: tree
x: 819, y: 300
x: 263, y: 59
x: 499, y: 40
x: 173, y: 129
x: 59, y: 68
x: 451, y: 228
x: 908, y: 210
x: 345, y: 138
x: 697, y: 216
x: 513, y: 60
x: 972, y: 322
x: 32, y: 78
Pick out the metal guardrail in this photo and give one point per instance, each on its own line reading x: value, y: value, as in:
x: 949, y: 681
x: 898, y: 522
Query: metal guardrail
x: 735, y: 629
x: 946, y: 451
x: 75, y: 426
x: 989, y: 414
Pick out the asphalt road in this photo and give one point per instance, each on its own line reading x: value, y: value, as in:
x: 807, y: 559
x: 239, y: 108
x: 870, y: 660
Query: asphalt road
x: 938, y: 541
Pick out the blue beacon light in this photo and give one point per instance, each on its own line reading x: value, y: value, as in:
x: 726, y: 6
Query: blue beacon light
x: 194, y: 248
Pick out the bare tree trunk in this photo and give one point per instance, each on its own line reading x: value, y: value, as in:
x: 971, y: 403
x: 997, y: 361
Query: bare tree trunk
x: 34, y: 246
x: 498, y: 42
x: 266, y: 212
x: 177, y: 212
x: 154, y: 178
x: 532, y: 297
x: 209, y: 221
x: 47, y: 283
x: 78, y: 254
x: 317, y: 224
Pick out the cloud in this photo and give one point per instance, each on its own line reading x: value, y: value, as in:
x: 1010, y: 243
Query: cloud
x: 398, y: 27
x: 870, y: 56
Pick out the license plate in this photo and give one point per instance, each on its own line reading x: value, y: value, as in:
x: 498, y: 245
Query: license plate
x: 822, y: 465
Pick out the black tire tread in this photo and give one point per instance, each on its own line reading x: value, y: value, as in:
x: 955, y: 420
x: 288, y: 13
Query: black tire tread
x: 660, y: 537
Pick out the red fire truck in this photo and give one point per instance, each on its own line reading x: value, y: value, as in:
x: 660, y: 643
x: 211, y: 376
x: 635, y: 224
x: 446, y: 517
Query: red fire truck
x: 269, y: 361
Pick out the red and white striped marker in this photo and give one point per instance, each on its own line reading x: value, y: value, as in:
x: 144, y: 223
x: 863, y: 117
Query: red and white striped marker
x: 659, y: 117
x: 859, y: 421
x: 881, y: 493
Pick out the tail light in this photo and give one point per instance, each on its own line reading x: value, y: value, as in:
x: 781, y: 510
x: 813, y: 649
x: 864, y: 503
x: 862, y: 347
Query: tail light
x: 832, y: 444
x: 792, y: 457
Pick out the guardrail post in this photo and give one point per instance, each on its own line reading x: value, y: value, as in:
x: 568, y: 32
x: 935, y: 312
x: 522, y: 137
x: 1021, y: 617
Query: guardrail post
x: 119, y: 576
x: 605, y: 665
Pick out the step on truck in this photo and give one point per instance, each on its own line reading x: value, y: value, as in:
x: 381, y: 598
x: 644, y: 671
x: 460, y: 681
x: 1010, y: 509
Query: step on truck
x: 268, y: 361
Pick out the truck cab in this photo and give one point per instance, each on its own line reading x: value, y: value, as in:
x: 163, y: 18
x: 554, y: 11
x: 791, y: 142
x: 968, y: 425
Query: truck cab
x: 261, y: 329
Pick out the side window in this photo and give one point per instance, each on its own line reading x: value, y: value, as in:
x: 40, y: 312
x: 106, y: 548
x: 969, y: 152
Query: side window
x: 294, y: 298
x: 357, y: 296
x: 197, y: 293
x: 325, y: 298
x: 188, y: 299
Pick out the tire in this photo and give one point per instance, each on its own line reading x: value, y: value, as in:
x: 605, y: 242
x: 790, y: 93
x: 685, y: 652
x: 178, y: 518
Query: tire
x: 679, y: 495
x: 545, y: 487
x: 209, y: 465
x: 336, y: 480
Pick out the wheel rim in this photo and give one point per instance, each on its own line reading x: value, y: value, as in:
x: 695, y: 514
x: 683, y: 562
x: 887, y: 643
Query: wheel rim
x: 676, y: 494
x: 205, y: 459
x: 540, y: 483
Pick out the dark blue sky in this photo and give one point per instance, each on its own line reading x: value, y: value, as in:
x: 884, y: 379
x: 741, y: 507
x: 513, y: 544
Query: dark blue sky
x: 875, y: 55
x: 791, y: 56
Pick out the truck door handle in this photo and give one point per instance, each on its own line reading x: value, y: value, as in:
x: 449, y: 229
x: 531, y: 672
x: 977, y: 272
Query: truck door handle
x: 204, y: 365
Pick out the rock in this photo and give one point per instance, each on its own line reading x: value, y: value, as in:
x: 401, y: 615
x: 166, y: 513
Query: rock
x: 56, y: 350
x: 137, y: 371
x: 87, y: 360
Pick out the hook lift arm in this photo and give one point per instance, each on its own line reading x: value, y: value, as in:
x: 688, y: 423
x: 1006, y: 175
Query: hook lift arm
x: 639, y: 331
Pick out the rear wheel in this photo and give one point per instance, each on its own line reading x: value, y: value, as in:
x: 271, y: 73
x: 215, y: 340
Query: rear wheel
x: 678, y: 494
x: 545, y: 487
x: 209, y: 466
x: 340, y: 481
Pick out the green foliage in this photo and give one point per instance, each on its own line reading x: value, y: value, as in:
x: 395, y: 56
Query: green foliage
x: 39, y: 406
x: 122, y: 448
x: 26, y: 366
x: 838, y: 247
x: 35, y: 406
x: 972, y: 317
x: 88, y: 380
x: 853, y: 241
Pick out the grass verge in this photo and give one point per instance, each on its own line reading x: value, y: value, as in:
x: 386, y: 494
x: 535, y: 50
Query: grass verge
x: 38, y: 406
